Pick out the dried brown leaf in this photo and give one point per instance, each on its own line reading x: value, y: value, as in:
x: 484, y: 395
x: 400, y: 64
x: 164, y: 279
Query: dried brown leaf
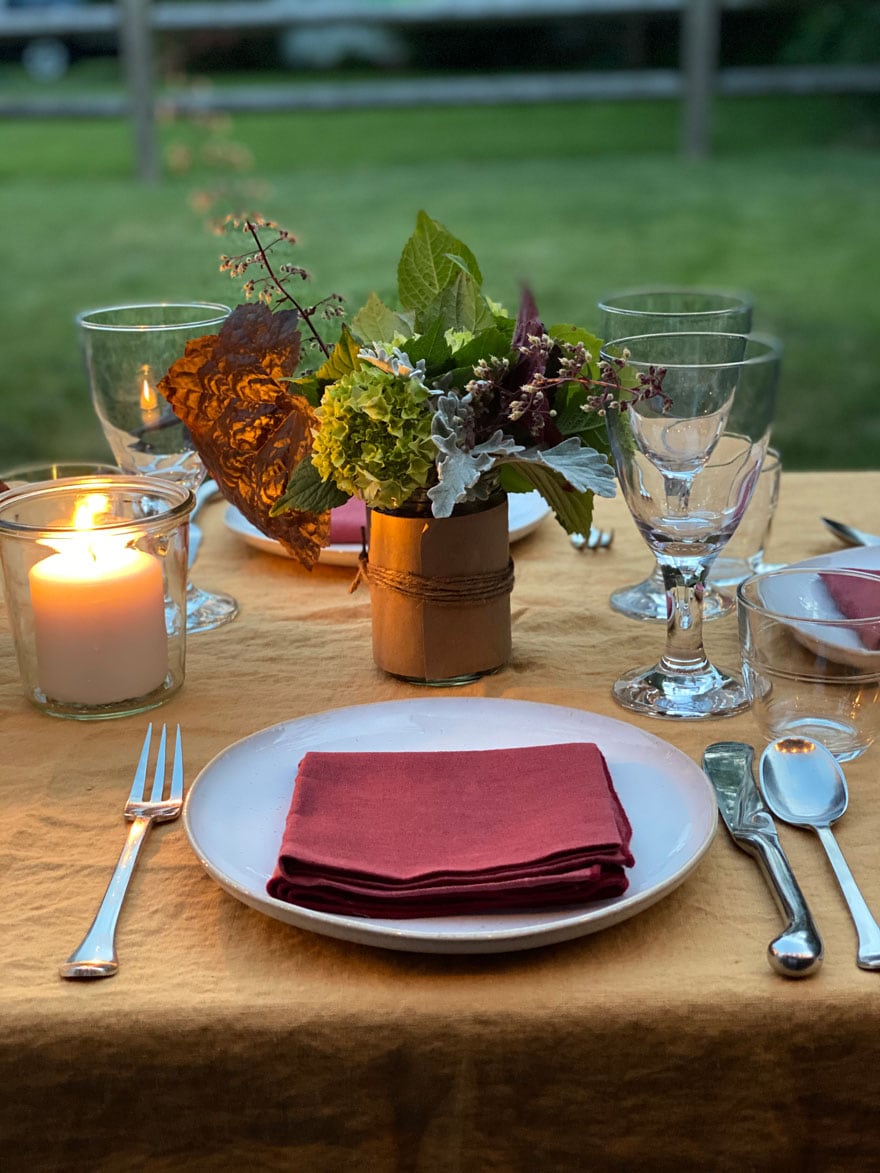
x: 251, y: 432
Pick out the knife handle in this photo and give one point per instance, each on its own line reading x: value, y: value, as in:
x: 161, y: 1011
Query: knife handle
x: 798, y: 950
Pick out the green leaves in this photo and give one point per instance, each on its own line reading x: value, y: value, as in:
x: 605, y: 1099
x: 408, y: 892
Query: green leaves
x: 385, y: 430
x: 307, y: 492
x: 590, y: 342
x: 574, y: 511
x: 343, y: 359
x: 432, y: 347
x: 567, y: 477
x: 375, y: 322
x: 439, y: 280
x: 458, y: 306
x: 432, y: 259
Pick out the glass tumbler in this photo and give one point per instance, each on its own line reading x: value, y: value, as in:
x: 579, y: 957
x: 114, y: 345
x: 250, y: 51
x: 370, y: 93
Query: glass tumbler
x: 94, y: 572
x: 810, y: 645
x: 744, y: 553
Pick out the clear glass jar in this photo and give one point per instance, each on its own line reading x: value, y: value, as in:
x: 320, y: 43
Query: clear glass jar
x: 94, y: 571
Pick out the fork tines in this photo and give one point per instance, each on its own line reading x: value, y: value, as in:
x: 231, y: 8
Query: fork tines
x: 137, y: 798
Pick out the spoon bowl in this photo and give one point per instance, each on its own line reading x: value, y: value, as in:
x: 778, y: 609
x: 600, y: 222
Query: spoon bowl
x: 803, y: 782
x: 804, y: 785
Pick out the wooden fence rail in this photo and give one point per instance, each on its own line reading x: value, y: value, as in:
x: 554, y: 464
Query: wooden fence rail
x: 260, y: 14
x: 136, y: 22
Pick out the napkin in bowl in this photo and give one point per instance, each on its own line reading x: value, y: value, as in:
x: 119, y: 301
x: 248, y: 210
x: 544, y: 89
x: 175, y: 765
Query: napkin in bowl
x: 857, y: 598
x: 347, y: 521
x: 416, y: 834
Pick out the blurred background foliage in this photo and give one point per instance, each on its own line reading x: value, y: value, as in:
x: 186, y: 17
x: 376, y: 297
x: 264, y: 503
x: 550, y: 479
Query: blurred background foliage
x: 576, y: 198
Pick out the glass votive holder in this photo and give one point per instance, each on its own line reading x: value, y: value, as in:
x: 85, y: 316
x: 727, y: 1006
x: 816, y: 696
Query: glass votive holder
x: 744, y: 553
x: 94, y: 571
x: 55, y: 470
x: 810, y: 644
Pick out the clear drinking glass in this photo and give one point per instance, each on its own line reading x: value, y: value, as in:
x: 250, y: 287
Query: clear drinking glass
x: 813, y: 669
x: 127, y: 350
x: 670, y: 311
x: 688, y: 467
x: 744, y: 553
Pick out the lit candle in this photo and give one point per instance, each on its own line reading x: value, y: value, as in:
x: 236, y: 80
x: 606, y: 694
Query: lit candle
x: 149, y: 401
x: 99, y: 619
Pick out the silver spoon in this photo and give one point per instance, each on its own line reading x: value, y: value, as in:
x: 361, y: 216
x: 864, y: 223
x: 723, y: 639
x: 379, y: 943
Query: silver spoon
x: 804, y: 785
x: 851, y: 535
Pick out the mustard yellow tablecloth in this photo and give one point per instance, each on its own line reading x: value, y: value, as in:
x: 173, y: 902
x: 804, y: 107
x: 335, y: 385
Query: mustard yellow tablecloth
x: 230, y: 1041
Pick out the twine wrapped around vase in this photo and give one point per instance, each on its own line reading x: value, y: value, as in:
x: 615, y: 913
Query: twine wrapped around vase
x: 440, y: 594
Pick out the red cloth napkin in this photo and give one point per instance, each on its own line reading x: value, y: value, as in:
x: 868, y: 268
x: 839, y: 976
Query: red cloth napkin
x: 347, y: 521
x: 857, y: 598
x: 435, y: 834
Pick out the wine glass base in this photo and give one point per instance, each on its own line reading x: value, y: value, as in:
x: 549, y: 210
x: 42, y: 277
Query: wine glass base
x: 728, y: 573
x: 657, y: 692
x: 647, y: 601
x: 206, y: 610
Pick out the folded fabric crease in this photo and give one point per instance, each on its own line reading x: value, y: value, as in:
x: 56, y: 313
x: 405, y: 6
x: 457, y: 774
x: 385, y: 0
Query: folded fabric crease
x: 443, y: 833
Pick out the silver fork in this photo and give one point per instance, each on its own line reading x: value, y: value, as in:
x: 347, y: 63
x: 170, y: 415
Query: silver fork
x: 96, y: 956
x: 597, y: 539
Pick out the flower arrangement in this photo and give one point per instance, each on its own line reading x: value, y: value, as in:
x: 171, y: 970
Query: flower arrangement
x: 447, y: 396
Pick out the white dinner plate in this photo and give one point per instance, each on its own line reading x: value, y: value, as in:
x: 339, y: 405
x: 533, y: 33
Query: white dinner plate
x: 852, y: 558
x: 838, y: 643
x: 525, y: 512
x: 236, y: 809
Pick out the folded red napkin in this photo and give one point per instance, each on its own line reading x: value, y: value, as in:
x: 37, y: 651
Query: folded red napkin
x: 347, y: 521
x: 857, y: 598
x: 470, y: 831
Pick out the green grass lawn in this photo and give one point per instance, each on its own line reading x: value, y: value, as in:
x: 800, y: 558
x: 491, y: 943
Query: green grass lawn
x: 577, y: 200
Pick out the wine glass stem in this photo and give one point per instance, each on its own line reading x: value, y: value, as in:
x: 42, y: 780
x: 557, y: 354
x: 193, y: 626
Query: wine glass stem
x: 684, y: 619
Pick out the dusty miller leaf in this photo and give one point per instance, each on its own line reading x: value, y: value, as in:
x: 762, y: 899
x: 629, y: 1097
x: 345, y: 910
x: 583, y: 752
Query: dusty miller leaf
x: 585, y: 469
x: 574, y: 511
x: 459, y: 471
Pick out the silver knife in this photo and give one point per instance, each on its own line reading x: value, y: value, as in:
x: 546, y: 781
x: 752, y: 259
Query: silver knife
x: 798, y: 950
x: 850, y: 535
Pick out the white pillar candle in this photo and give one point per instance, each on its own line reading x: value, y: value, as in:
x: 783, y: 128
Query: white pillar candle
x: 99, y: 622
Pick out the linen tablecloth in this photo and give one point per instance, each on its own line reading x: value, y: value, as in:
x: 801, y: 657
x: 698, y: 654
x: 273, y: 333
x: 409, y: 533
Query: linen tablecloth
x: 229, y: 1040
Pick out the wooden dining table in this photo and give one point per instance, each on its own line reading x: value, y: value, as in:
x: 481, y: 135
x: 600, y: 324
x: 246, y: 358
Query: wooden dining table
x: 231, y: 1040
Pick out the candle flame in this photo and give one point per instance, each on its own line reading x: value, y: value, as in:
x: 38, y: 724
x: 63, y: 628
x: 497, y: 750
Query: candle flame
x: 149, y: 398
x: 89, y: 509
x: 88, y: 512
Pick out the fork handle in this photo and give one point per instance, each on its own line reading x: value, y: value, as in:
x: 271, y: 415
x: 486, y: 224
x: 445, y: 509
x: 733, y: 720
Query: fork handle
x: 96, y: 955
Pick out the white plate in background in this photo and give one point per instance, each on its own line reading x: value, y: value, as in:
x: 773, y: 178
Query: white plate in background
x: 838, y: 643
x: 525, y: 512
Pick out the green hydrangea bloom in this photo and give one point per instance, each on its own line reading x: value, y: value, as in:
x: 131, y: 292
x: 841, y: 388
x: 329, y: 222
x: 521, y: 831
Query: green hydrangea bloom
x: 456, y: 339
x: 375, y: 440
